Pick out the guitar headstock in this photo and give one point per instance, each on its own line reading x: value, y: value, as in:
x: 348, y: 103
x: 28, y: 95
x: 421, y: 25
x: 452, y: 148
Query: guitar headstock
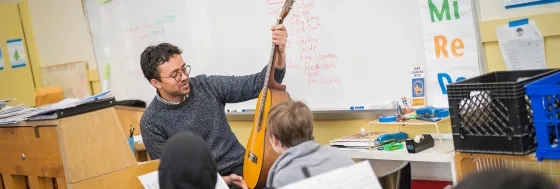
x: 286, y: 9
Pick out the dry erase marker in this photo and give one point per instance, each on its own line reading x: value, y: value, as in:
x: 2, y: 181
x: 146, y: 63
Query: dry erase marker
x: 357, y: 107
x: 239, y: 110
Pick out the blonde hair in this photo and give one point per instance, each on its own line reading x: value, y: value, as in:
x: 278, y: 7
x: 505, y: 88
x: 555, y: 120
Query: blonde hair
x: 291, y: 122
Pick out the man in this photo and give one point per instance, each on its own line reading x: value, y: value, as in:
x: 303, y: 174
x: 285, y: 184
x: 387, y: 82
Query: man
x: 197, y: 104
x: 290, y: 131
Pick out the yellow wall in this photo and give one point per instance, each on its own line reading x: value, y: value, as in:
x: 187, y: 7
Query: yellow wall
x: 32, y: 59
x: 62, y: 36
x: 494, y: 10
x: 548, y: 24
x: 55, y: 37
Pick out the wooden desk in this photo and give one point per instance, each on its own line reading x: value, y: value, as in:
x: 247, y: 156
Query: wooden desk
x: 130, y: 116
x: 69, y: 153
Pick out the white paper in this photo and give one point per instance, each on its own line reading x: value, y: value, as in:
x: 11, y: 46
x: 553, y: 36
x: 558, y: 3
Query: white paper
x: 150, y: 180
x: 1, y: 60
x: 220, y: 183
x: 16, y: 53
x: 138, y: 139
x: 451, y: 45
x: 522, y: 47
x: 517, y: 2
x: 357, y: 176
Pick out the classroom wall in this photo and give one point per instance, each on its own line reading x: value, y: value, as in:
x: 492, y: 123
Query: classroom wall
x: 494, y: 10
x: 56, y: 37
x: 546, y: 17
x: 62, y: 35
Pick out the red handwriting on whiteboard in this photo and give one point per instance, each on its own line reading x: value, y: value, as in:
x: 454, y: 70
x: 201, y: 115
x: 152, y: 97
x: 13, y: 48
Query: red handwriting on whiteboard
x: 274, y: 2
x: 307, y: 44
x: 139, y: 27
x: 318, y: 66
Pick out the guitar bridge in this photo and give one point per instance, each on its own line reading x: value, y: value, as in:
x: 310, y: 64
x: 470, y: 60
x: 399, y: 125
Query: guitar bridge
x: 252, y: 157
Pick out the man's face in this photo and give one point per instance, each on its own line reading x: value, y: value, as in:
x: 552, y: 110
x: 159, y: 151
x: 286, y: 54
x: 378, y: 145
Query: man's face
x: 174, y: 76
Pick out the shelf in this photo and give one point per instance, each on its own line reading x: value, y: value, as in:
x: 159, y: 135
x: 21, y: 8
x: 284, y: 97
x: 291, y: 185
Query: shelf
x: 440, y: 153
x: 411, y: 122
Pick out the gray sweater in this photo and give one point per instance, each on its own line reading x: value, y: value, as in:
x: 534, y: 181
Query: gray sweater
x: 203, y: 112
x: 288, y: 168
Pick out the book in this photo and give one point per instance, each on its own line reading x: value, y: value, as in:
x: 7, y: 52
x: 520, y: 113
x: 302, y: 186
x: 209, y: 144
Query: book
x: 358, y: 140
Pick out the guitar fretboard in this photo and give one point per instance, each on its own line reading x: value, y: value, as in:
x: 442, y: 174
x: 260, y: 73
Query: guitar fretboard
x: 267, y: 78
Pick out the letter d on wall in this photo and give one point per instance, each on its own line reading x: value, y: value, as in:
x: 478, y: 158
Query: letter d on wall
x: 448, y: 79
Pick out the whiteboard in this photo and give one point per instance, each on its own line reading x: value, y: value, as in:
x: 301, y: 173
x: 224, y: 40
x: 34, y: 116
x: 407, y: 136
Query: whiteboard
x: 72, y: 77
x: 340, y: 53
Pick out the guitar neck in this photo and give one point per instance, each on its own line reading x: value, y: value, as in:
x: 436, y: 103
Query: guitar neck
x: 267, y: 79
x: 270, y: 67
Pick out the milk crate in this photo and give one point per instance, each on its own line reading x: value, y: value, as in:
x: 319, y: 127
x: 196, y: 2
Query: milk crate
x: 492, y: 114
x: 545, y: 99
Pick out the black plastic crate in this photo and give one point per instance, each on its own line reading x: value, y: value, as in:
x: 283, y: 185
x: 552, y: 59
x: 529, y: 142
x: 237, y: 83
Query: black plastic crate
x: 492, y: 114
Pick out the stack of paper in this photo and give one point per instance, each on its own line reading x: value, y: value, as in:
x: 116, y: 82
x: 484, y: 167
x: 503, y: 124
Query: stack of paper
x: 48, y: 112
x: 356, y: 141
x: 16, y: 114
x: 10, y: 111
x: 4, y: 103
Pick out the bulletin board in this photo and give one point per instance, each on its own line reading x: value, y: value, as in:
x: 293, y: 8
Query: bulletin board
x: 72, y: 77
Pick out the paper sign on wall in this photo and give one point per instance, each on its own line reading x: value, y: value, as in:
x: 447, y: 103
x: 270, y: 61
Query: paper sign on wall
x: 522, y: 45
x: 1, y: 60
x: 418, y: 86
x: 451, y: 46
x: 16, y: 53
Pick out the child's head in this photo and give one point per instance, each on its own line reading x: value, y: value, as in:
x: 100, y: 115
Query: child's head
x: 289, y: 123
x: 504, y: 179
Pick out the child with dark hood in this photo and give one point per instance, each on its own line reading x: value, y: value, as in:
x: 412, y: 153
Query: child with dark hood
x: 187, y: 163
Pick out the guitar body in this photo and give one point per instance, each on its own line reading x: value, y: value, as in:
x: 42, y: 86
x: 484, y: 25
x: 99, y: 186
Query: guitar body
x: 259, y: 155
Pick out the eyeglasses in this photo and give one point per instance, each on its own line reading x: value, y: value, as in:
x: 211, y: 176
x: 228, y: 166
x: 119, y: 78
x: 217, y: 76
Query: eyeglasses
x: 178, y: 75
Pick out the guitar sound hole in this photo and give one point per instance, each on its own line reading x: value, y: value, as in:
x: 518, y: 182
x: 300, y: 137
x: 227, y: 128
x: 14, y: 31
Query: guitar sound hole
x: 253, y: 157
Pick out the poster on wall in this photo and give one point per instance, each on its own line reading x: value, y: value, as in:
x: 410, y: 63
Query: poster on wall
x: 1, y: 60
x: 16, y: 53
x: 418, y: 94
x: 451, y: 45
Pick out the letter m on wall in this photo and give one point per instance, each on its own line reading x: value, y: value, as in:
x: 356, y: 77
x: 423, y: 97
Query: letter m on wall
x: 439, y: 14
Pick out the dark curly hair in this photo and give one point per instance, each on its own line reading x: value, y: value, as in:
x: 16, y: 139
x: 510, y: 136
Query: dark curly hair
x: 153, y: 56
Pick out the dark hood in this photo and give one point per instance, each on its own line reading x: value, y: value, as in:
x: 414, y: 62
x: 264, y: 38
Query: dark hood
x: 187, y: 163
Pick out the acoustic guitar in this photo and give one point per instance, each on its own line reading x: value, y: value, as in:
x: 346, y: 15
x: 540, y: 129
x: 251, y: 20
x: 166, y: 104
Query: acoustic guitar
x: 259, y: 155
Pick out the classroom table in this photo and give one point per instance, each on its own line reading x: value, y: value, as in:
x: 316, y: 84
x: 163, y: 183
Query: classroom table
x: 442, y: 153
